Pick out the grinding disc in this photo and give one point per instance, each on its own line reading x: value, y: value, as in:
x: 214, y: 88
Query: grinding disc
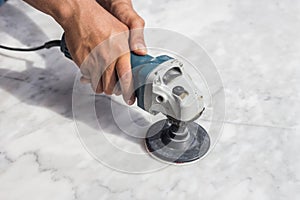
x: 194, y: 147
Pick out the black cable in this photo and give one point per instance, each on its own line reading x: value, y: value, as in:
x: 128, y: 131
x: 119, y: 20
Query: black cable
x: 47, y: 45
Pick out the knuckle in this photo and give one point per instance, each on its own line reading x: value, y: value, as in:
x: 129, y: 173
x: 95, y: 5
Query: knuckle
x: 138, y: 22
x: 126, y: 78
x: 124, y: 27
x: 124, y: 70
x: 117, y: 6
x: 142, y: 21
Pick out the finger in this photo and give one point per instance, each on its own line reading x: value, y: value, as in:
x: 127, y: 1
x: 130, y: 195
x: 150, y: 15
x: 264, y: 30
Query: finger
x: 137, y: 42
x: 96, y: 83
x: 126, y: 14
x: 109, y: 79
x: 117, y: 90
x: 99, y: 87
x: 125, y: 77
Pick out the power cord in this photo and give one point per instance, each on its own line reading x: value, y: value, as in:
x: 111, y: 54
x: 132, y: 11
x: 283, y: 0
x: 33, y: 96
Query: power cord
x: 47, y: 45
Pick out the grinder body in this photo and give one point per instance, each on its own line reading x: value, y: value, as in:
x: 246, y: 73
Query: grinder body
x: 162, y: 86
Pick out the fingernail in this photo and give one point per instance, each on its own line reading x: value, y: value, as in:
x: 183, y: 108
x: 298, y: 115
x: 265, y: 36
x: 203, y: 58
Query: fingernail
x: 129, y: 102
x: 141, y: 47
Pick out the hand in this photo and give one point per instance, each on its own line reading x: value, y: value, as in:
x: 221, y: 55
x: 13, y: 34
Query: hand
x: 89, y: 26
x: 86, y: 25
x: 123, y: 10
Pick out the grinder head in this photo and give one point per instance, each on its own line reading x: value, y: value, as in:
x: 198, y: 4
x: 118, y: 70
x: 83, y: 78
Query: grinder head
x: 177, y: 142
x: 171, y: 91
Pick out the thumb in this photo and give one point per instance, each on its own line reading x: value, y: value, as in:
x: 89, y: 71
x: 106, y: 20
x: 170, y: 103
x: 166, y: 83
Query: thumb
x: 124, y: 11
x: 136, y: 40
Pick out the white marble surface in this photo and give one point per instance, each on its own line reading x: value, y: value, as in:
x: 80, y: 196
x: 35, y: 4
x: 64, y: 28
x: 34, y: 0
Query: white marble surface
x: 256, y: 47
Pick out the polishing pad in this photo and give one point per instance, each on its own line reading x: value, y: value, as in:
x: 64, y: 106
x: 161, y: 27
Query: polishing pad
x: 182, y: 145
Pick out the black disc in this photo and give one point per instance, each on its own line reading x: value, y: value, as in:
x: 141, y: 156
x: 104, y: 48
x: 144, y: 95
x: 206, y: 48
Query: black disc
x: 194, y: 147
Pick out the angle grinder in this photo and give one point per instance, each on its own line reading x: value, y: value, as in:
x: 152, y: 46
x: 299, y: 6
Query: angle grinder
x: 163, y: 86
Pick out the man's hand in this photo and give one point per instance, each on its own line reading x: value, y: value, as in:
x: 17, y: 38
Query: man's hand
x: 89, y: 27
x: 87, y: 24
x: 123, y: 10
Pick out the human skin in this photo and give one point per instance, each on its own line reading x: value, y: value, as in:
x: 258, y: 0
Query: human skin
x: 87, y: 23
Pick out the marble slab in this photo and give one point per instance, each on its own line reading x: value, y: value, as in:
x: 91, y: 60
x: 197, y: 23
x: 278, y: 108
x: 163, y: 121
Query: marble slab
x: 255, y: 46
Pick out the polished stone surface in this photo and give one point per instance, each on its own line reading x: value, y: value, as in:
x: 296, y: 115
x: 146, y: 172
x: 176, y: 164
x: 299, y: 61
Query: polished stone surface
x: 256, y: 47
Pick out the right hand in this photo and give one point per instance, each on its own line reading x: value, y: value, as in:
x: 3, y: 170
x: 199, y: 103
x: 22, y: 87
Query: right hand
x: 87, y: 27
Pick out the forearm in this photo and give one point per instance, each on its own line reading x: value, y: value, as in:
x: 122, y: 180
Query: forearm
x: 60, y: 10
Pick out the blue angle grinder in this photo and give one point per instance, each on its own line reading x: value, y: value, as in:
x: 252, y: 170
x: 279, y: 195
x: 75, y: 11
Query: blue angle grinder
x: 162, y: 86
